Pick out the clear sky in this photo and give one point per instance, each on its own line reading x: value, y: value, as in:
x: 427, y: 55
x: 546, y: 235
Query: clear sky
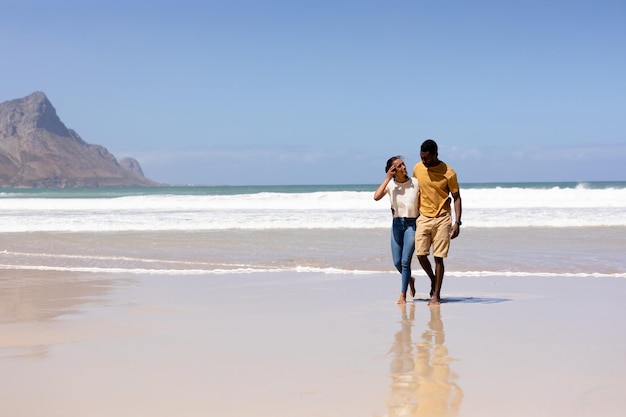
x: 323, y: 92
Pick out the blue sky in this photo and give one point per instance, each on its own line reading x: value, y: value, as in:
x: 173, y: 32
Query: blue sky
x: 323, y: 92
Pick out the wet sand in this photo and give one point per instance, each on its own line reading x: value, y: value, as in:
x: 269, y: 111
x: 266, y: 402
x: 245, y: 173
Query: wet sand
x: 309, y: 344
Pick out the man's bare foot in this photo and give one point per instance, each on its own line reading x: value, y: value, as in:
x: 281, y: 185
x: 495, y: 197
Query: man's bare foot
x: 412, y: 287
x: 402, y: 299
x: 434, y: 301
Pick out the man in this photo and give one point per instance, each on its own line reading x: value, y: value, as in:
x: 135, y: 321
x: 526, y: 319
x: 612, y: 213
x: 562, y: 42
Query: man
x: 437, y: 181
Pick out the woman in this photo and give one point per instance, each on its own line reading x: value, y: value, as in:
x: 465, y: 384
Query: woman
x: 403, y: 193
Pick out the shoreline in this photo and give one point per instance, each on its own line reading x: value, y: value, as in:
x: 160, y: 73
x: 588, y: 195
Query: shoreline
x: 524, y: 251
x: 308, y: 344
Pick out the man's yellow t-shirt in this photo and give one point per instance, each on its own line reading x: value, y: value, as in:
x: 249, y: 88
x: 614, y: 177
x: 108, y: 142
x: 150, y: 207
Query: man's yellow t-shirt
x: 435, y: 184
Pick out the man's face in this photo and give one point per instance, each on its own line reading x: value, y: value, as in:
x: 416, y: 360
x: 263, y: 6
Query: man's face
x: 428, y: 159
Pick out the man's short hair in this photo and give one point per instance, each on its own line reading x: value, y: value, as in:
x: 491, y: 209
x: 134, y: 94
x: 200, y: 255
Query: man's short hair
x: 430, y: 146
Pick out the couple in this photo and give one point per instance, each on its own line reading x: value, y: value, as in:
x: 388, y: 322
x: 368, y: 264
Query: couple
x: 421, y: 211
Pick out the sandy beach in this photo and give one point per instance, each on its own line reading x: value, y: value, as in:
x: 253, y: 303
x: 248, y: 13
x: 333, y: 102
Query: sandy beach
x: 309, y: 344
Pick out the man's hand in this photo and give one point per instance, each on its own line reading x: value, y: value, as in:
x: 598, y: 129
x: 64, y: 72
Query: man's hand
x: 454, y: 231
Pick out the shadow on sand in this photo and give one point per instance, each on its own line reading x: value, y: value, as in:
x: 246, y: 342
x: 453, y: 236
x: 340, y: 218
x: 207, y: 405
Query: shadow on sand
x: 480, y: 300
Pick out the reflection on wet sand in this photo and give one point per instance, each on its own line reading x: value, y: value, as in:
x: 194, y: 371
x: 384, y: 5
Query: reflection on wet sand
x: 31, y: 301
x: 422, y: 382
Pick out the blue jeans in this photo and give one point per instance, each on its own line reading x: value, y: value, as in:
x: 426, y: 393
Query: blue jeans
x: 403, y: 247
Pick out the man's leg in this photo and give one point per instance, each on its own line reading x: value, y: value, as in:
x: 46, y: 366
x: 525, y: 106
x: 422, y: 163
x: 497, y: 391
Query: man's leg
x: 439, y: 271
x: 441, y: 245
x: 423, y: 242
x: 427, y: 267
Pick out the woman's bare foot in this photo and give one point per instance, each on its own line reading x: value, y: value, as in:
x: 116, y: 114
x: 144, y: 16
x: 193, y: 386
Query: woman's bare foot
x: 412, y: 287
x: 402, y: 299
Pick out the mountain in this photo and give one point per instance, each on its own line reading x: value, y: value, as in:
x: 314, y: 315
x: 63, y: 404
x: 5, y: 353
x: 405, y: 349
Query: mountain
x: 38, y: 150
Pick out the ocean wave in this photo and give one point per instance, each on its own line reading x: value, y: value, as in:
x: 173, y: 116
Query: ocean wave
x: 115, y: 221
x: 498, y: 197
x: 297, y: 269
x: 579, y: 206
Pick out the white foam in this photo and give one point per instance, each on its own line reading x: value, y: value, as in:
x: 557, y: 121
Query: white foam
x: 297, y: 269
x: 482, y: 207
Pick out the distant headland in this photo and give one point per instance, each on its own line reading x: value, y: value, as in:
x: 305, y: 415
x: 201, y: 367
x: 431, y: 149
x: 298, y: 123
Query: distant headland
x: 37, y: 150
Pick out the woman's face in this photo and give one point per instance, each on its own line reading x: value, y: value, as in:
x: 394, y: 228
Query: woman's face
x: 398, y: 168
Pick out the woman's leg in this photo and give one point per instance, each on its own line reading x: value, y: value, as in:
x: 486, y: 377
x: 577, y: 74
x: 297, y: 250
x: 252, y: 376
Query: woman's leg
x: 397, y: 243
x: 408, y: 249
x: 397, y: 249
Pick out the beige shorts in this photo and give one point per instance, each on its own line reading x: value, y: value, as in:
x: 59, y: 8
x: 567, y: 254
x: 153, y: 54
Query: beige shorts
x: 435, y: 232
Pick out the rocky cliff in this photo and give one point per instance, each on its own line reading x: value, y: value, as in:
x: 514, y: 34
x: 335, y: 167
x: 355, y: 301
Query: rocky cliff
x: 38, y: 150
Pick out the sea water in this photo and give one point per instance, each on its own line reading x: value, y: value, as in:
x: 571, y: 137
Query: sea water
x: 513, y: 229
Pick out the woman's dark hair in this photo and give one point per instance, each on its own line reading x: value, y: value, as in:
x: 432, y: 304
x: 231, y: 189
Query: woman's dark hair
x: 390, y: 161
